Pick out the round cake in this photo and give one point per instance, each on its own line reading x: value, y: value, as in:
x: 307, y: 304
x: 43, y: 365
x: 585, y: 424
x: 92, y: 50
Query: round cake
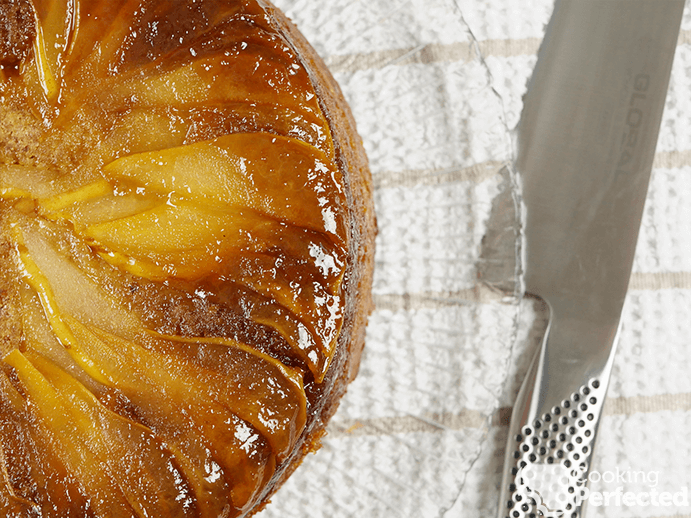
x: 186, y: 252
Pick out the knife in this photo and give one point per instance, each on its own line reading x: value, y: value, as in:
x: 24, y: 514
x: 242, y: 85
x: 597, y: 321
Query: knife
x: 585, y: 147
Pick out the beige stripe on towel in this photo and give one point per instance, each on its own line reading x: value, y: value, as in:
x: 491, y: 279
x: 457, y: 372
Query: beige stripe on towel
x: 435, y: 423
x: 444, y: 53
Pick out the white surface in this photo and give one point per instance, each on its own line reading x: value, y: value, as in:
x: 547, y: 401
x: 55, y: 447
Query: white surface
x: 435, y: 87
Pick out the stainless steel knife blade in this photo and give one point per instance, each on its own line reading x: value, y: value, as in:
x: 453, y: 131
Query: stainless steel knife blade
x: 586, y: 141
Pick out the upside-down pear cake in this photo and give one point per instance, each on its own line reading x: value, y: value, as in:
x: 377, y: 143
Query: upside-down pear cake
x: 186, y: 251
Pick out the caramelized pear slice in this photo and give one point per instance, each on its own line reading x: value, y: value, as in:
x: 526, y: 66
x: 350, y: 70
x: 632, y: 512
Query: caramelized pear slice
x: 183, y: 367
x: 182, y: 240
x: 142, y: 130
x: 74, y: 438
x: 138, y: 461
x: 283, y: 178
x: 58, y: 21
x: 37, y: 474
x: 52, y: 313
x: 97, y: 42
x: 264, y: 392
x: 40, y: 337
x: 212, y: 121
x: 73, y: 291
x: 27, y: 182
x: 55, y: 24
x: 257, y: 74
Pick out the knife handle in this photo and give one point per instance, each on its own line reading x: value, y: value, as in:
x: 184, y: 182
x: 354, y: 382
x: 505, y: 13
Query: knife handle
x: 549, y: 446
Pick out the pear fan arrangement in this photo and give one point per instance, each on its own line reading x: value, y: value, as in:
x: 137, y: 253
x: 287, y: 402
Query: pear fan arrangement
x: 173, y: 249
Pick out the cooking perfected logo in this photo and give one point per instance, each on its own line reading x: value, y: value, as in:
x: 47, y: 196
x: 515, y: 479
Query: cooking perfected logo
x: 557, y: 490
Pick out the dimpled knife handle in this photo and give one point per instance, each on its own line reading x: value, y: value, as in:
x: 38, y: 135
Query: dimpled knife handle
x: 549, y: 449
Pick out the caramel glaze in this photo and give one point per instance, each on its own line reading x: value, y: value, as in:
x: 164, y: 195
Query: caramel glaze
x: 186, y: 247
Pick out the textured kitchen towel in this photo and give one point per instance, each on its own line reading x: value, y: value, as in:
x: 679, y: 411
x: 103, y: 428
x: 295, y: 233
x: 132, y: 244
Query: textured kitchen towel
x: 436, y: 88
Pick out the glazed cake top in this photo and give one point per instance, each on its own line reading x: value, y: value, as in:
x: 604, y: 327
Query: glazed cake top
x: 173, y: 245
